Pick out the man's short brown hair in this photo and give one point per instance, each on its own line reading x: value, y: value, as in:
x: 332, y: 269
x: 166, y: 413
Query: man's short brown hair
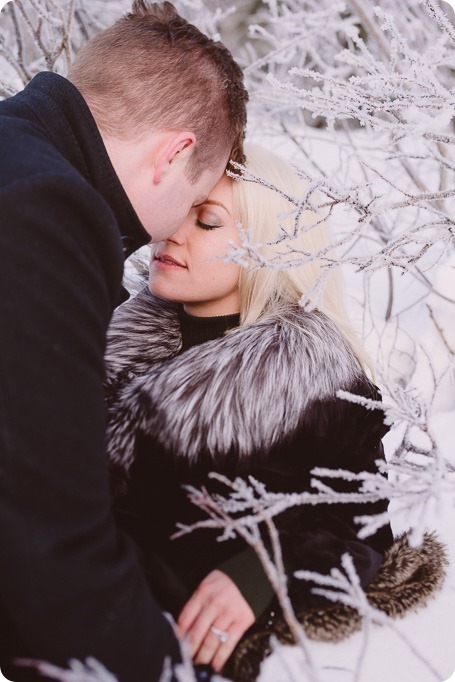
x: 152, y: 70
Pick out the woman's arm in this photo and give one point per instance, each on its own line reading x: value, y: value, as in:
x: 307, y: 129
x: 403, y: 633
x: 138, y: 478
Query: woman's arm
x: 314, y: 537
x: 246, y: 571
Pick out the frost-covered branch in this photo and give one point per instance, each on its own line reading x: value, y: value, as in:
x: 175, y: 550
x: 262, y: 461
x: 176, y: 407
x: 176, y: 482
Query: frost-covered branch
x: 89, y: 671
x: 224, y: 516
x: 343, y: 586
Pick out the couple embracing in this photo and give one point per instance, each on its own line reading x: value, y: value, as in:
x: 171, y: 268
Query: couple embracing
x: 211, y: 367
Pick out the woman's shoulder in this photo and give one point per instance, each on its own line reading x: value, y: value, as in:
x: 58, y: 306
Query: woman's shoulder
x: 300, y: 340
x: 297, y: 323
x: 143, y: 330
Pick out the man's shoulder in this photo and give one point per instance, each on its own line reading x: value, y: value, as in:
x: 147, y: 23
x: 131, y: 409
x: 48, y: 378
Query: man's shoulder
x: 68, y: 221
x: 29, y: 160
x: 26, y: 149
x: 36, y: 139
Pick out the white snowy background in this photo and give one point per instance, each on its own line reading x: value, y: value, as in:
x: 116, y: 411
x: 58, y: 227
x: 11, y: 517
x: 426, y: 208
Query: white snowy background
x: 360, y: 95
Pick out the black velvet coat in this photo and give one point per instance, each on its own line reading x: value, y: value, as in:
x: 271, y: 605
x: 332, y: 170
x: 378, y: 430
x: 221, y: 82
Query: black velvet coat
x: 260, y: 401
x: 70, y: 584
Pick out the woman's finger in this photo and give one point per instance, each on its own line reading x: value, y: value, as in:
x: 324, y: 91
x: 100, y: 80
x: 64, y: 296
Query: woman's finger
x: 200, y: 627
x: 225, y: 650
x: 213, y: 642
x: 189, y: 613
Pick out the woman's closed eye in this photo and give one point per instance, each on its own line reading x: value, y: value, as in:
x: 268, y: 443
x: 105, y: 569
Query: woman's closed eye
x: 209, y: 222
x: 205, y: 226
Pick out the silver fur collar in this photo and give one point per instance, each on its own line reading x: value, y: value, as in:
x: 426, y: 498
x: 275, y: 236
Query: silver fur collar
x: 239, y: 394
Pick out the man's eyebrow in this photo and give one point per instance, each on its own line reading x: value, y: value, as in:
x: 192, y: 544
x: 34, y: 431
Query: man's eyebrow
x: 212, y: 202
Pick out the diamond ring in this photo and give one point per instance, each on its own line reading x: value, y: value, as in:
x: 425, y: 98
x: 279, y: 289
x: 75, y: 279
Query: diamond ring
x: 221, y: 634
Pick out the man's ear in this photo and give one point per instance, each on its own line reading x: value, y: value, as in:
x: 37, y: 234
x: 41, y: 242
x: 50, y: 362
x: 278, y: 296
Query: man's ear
x: 174, y: 151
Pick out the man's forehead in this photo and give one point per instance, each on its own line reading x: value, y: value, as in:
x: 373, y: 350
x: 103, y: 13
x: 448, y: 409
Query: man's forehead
x: 200, y: 200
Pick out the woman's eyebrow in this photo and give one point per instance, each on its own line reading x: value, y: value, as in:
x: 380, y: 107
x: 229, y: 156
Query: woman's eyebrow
x: 213, y: 202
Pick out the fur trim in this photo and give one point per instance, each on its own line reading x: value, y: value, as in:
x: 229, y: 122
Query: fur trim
x: 143, y: 331
x: 239, y: 394
x: 409, y: 576
x: 407, y: 579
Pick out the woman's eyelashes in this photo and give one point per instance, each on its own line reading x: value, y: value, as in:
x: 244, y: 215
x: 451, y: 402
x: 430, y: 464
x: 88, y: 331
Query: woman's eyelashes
x: 210, y: 223
x: 205, y: 226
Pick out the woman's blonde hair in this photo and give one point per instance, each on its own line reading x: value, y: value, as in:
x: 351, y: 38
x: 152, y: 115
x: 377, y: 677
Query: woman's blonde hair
x: 282, y: 233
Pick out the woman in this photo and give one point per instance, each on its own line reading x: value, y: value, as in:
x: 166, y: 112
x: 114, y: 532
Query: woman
x: 216, y: 367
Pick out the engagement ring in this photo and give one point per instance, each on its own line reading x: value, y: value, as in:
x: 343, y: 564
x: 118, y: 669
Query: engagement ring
x: 222, y: 636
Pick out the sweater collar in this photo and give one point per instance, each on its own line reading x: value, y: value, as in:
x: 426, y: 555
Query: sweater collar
x: 69, y: 124
x: 197, y: 330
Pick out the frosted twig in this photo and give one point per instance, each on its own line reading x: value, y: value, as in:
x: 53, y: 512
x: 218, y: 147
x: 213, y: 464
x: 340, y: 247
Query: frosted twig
x: 89, y: 671
x: 435, y: 10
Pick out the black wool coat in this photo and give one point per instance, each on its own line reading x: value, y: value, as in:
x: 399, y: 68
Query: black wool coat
x: 260, y: 401
x: 70, y: 583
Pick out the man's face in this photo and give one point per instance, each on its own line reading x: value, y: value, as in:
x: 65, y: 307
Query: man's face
x: 163, y: 211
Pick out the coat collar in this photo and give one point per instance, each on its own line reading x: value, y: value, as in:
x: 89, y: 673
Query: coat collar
x: 238, y: 395
x: 69, y: 124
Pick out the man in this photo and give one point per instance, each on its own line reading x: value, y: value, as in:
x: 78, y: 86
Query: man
x: 140, y: 132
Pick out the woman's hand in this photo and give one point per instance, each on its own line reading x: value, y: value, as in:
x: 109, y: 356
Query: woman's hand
x: 217, y: 603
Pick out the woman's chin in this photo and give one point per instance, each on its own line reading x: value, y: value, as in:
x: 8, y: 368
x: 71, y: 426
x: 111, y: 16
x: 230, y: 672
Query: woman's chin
x: 164, y: 293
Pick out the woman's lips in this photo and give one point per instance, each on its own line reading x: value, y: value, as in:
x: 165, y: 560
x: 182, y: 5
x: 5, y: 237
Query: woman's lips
x: 164, y: 261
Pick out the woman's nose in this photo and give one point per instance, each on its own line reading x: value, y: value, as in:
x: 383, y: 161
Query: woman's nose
x: 179, y: 235
x: 176, y: 238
